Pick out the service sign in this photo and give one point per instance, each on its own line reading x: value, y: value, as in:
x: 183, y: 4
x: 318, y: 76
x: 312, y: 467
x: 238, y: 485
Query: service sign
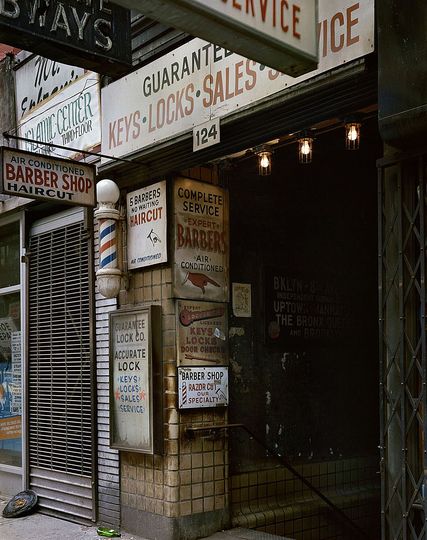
x: 147, y: 226
x: 201, y: 241
x: 69, y: 118
x: 200, y: 387
x: 131, y: 380
x: 202, y: 333
x: 199, y: 81
x: 39, y: 177
x: 281, y: 34
x: 92, y: 34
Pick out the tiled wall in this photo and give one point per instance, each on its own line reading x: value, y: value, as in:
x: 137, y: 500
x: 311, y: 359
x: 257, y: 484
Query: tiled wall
x: 275, y: 501
x: 192, y: 475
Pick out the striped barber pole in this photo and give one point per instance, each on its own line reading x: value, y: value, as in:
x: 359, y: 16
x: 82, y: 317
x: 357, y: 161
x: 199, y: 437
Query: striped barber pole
x: 184, y: 393
x: 107, y: 244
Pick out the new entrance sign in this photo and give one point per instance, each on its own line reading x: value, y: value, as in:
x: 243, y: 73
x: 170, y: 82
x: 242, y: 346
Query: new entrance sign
x: 278, y: 33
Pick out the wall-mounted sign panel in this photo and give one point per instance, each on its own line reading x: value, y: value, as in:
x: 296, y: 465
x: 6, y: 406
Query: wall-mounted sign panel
x: 35, y: 176
x: 93, y: 35
x: 38, y: 78
x: 198, y: 81
x: 202, y: 387
x: 132, y: 366
x: 201, y: 241
x: 69, y: 118
x: 147, y: 226
x: 281, y: 35
x: 303, y: 309
x: 202, y: 333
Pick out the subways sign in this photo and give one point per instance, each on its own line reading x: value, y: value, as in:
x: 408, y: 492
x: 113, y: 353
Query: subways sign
x: 201, y: 241
x: 280, y: 34
x: 35, y: 176
x: 94, y: 34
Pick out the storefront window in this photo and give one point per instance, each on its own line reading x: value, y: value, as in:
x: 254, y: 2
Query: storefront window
x: 9, y: 255
x: 10, y: 348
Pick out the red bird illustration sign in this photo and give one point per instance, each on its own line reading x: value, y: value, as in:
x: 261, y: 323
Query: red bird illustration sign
x: 201, y: 241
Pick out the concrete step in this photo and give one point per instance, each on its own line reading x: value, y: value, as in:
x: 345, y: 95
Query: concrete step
x: 244, y: 534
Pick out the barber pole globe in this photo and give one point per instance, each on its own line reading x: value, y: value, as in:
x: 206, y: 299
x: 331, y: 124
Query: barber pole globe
x: 107, y: 244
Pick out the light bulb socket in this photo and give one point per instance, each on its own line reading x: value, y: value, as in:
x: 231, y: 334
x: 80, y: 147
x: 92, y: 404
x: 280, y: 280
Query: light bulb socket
x: 352, y: 125
x: 305, y: 147
x: 264, y: 154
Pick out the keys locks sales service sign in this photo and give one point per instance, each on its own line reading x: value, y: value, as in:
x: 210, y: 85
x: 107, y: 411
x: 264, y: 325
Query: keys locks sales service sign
x: 199, y: 81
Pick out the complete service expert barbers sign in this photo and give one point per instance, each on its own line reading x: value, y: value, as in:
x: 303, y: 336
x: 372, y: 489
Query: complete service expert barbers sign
x: 25, y: 174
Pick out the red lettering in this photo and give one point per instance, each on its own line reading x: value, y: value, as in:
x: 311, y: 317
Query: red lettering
x: 350, y: 23
x: 238, y: 75
x: 295, y: 20
x: 10, y: 171
x: 283, y: 5
x: 340, y: 18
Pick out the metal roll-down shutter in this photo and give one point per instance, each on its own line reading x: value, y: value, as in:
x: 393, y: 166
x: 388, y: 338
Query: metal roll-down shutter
x: 60, y: 379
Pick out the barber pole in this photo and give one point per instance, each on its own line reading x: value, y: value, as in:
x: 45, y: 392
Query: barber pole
x: 108, y: 275
x: 107, y: 244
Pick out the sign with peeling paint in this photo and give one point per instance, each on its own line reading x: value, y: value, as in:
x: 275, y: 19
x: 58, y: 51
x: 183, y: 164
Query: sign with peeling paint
x: 131, y: 402
x: 201, y: 246
x: 202, y: 333
x: 200, y: 387
x: 303, y: 308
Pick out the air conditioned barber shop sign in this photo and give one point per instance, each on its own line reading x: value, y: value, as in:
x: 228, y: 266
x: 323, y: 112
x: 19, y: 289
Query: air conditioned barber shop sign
x: 34, y: 176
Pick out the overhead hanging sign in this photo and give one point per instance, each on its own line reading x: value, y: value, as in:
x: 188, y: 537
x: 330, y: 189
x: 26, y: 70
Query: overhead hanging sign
x: 198, y: 81
x: 94, y: 35
x: 34, y: 176
x: 147, y: 226
x: 281, y: 35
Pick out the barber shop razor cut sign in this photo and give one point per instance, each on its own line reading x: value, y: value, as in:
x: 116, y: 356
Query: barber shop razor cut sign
x: 93, y: 34
x: 35, y: 176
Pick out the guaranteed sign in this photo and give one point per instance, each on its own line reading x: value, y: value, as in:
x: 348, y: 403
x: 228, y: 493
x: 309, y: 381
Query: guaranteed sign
x: 35, y: 176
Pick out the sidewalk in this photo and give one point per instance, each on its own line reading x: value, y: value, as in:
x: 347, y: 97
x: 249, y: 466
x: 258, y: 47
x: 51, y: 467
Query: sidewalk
x: 40, y: 527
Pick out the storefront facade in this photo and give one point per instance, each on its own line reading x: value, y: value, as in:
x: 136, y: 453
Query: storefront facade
x: 279, y: 281
x: 264, y: 383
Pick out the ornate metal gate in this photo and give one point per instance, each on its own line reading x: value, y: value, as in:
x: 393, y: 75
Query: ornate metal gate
x: 402, y: 299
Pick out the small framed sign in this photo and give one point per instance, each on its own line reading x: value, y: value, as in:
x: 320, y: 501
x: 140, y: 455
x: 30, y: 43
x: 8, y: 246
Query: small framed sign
x: 202, y: 387
x: 206, y: 134
x: 135, y: 380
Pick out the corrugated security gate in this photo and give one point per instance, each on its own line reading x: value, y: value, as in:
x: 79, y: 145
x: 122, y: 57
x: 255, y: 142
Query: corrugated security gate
x: 60, y: 392
x: 402, y: 309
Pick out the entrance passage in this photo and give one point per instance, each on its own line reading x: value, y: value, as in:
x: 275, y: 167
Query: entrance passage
x: 60, y: 378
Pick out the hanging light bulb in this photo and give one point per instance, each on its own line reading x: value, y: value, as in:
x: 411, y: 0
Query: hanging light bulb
x: 352, y: 134
x: 264, y: 161
x: 305, y: 148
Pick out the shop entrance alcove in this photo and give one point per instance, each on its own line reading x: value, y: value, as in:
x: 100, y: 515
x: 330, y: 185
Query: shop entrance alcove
x: 306, y: 236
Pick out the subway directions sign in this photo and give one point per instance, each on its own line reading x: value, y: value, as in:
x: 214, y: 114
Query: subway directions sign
x: 35, y: 176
